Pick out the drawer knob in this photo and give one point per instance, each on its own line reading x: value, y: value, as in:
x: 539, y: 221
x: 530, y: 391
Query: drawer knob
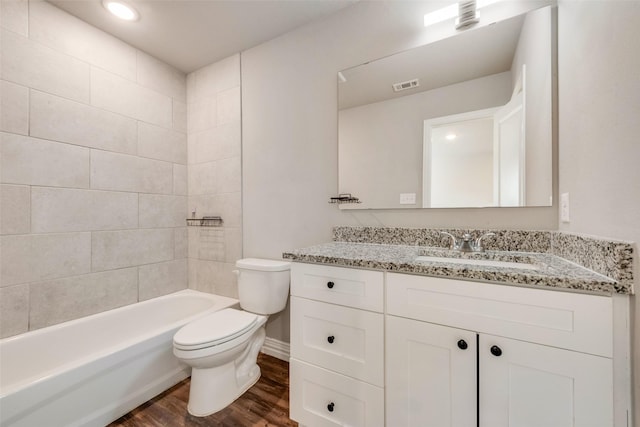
x: 462, y: 345
x: 330, y: 407
x: 331, y: 339
x: 330, y: 285
x: 496, y: 351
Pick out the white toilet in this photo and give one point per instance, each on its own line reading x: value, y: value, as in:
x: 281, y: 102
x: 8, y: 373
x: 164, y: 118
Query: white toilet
x: 222, y: 348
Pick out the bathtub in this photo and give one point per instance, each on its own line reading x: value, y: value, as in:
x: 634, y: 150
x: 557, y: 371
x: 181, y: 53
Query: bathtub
x: 91, y: 371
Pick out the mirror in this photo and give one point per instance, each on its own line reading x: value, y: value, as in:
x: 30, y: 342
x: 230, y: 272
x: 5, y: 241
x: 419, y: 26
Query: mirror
x: 469, y: 123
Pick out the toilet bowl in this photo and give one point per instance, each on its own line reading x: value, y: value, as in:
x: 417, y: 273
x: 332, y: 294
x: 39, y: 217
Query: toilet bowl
x: 222, y: 348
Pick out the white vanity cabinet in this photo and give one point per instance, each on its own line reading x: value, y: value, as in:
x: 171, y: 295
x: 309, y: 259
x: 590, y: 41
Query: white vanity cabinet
x: 337, y: 346
x: 505, y: 356
x: 373, y: 348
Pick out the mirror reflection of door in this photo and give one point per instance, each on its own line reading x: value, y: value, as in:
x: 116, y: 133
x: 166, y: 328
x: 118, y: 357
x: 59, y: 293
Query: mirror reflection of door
x: 477, y: 159
x: 459, y: 155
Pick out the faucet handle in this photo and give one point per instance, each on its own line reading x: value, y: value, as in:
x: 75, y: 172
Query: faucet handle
x: 454, y: 240
x: 477, y: 247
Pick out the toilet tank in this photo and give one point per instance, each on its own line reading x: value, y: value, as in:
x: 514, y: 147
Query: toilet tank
x: 263, y: 285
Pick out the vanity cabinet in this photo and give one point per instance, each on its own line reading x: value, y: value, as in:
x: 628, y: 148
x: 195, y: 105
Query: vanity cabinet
x: 455, y: 365
x: 337, y: 346
x: 373, y: 348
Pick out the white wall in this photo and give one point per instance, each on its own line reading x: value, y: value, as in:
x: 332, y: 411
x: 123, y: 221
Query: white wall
x: 93, y: 170
x: 289, y: 125
x: 214, y: 145
x: 599, y: 94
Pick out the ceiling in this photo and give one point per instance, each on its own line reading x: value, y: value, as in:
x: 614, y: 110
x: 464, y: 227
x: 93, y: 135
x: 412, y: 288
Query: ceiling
x: 471, y: 54
x: 189, y: 34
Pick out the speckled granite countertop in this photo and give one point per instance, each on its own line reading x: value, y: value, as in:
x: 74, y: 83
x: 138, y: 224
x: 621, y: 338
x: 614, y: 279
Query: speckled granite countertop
x: 550, y: 271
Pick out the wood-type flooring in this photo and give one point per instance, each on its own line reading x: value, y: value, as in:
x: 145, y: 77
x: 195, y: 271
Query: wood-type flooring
x: 266, y: 404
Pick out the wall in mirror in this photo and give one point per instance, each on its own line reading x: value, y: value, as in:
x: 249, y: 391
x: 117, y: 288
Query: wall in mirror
x: 473, y: 128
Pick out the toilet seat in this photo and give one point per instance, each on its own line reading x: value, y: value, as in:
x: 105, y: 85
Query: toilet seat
x: 214, y: 329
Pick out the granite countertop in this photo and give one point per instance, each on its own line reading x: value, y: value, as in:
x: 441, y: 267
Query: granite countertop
x: 550, y: 271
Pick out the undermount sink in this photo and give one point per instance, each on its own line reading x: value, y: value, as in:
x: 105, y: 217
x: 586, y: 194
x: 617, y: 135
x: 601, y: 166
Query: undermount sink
x: 480, y: 262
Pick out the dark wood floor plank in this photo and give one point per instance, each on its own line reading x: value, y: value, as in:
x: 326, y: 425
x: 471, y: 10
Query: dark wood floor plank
x: 266, y: 404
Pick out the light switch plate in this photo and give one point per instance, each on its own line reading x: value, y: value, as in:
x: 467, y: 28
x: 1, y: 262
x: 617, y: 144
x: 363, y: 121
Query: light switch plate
x: 407, y: 198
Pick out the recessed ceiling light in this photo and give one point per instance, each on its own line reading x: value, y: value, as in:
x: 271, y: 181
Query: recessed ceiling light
x: 451, y: 136
x: 121, y: 9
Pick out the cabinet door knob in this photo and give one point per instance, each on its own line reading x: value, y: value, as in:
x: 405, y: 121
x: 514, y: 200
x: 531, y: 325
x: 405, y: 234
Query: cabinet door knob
x: 496, y: 351
x: 330, y: 407
x: 330, y: 285
x: 462, y: 345
x: 331, y: 339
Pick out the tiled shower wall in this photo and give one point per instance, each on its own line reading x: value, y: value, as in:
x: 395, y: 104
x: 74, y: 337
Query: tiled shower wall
x: 214, y: 147
x: 93, y: 171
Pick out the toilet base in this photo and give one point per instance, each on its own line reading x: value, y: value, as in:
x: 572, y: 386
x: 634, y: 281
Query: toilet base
x: 213, y: 389
x: 208, y: 395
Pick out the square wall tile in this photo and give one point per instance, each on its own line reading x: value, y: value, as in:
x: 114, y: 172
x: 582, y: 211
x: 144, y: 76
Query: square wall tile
x: 14, y: 310
x: 55, y: 210
x: 118, y: 249
x: 31, y: 64
x: 15, y: 205
x: 57, y: 301
x: 161, y: 279
x: 14, y: 108
x: 33, y: 257
x: 59, y: 119
x: 34, y: 161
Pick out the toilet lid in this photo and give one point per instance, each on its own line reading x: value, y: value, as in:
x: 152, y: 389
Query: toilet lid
x: 214, y: 329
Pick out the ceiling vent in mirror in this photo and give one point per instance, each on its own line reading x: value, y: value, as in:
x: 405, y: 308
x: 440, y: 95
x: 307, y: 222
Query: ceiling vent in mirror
x: 468, y: 14
x: 409, y: 84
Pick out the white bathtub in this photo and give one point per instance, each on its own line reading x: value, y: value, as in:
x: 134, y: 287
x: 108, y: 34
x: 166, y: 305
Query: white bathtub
x: 91, y: 371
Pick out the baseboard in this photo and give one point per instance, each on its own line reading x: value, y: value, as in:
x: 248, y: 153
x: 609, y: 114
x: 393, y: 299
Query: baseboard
x: 276, y: 348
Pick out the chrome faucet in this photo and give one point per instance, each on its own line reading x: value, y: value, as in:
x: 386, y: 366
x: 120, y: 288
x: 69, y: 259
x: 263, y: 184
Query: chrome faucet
x: 466, y: 243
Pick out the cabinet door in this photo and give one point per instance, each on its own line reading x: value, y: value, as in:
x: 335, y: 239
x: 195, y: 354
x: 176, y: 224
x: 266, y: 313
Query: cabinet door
x: 531, y: 385
x: 430, y: 376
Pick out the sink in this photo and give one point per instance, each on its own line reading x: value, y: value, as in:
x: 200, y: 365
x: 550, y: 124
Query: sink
x: 480, y: 262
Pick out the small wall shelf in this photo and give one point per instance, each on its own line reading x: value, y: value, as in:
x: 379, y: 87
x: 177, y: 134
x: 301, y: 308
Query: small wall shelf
x: 205, y: 221
x: 344, y: 198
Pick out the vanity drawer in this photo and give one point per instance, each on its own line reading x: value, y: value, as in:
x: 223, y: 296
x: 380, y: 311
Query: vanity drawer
x: 345, y: 340
x: 321, y: 398
x: 337, y: 285
x: 567, y: 320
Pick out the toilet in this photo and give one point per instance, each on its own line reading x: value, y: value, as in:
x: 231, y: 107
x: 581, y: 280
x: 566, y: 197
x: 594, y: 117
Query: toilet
x: 222, y: 348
